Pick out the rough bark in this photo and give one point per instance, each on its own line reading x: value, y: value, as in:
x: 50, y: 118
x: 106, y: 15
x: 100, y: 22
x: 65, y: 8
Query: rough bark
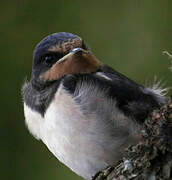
x: 150, y: 159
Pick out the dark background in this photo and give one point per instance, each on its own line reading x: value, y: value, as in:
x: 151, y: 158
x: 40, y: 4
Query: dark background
x: 128, y: 35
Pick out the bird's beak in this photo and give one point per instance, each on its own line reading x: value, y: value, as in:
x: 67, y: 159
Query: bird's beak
x: 72, y: 52
x: 77, y: 61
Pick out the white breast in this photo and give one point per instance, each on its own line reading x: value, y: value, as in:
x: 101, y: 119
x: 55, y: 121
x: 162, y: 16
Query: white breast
x: 64, y: 130
x: 84, y: 142
x: 34, y: 121
x: 66, y: 136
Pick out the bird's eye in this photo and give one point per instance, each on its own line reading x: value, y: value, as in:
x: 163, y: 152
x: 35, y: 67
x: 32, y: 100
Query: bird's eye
x: 49, y: 59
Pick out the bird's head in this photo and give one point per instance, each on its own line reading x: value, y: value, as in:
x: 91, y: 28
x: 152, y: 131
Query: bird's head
x: 60, y: 54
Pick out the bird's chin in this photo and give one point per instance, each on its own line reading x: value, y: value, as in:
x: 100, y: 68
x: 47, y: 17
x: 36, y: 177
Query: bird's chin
x: 75, y: 62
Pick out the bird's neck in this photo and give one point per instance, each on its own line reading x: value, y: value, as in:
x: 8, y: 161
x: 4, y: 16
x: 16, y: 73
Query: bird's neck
x: 38, y: 95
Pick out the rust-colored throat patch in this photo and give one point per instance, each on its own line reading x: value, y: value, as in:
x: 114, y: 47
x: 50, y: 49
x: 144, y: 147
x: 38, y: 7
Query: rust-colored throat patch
x: 73, y: 63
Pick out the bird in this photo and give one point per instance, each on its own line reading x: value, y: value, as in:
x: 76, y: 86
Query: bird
x: 83, y: 110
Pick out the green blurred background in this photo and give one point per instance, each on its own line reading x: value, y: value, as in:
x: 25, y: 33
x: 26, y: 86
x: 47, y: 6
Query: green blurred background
x: 128, y: 35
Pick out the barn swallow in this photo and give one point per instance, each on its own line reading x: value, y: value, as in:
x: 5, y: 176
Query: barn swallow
x: 84, y: 111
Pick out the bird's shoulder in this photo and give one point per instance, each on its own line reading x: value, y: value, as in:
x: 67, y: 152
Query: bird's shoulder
x: 106, y: 81
x: 108, y: 85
